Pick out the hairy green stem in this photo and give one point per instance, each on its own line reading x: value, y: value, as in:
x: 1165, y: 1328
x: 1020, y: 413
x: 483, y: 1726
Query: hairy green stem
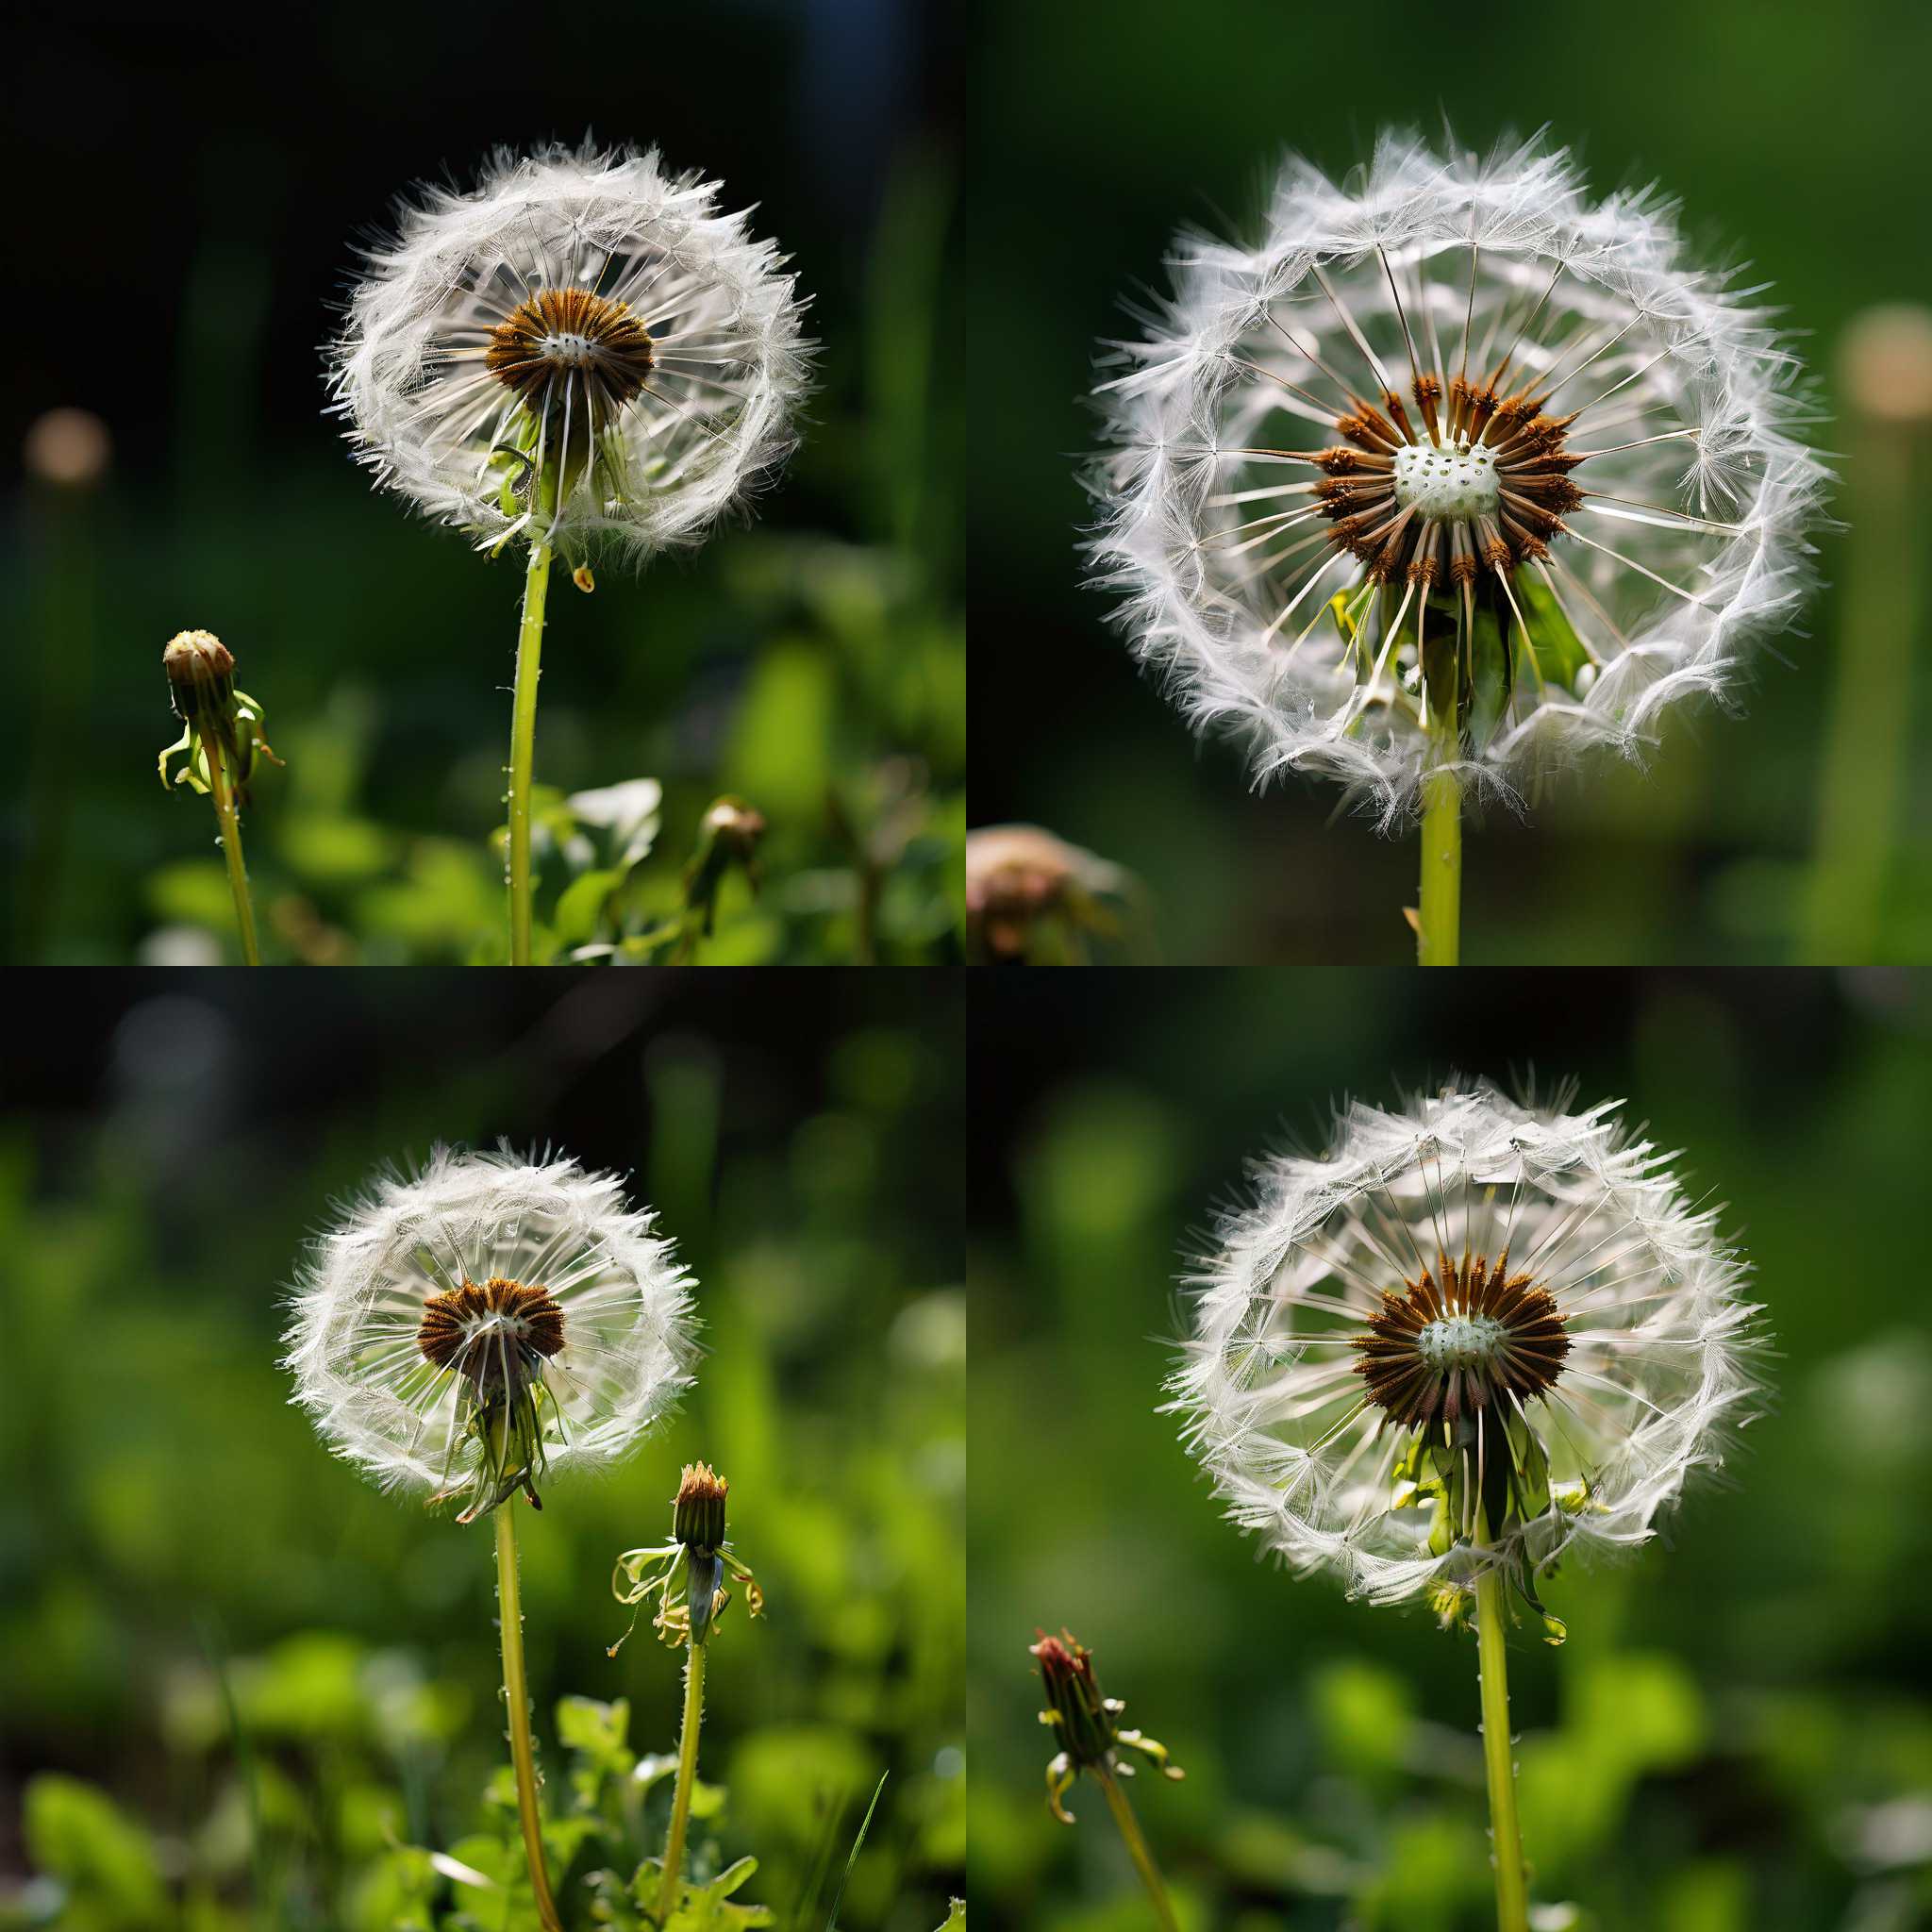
x: 1137, y: 1848
x: 1505, y: 1833
x: 517, y: 1694
x: 1439, y: 908
x: 229, y: 822
x: 523, y: 749
x: 687, y: 1779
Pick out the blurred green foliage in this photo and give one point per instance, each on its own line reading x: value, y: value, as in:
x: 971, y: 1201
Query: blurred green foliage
x: 1736, y: 1735
x: 247, y: 1689
x: 1103, y: 130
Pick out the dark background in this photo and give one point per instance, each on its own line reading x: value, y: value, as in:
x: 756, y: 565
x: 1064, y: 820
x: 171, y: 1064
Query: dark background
x: 1796, y: 137
x: 1736, y: 1737
x: 192, y: 187
x: 168, y: 1142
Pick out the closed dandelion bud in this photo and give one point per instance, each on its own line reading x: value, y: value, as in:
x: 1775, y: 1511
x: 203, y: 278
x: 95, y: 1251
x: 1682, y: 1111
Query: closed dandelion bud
x: 1087, y: 1724
x: 201, y: 676
x: 698, y: 1512
x: 1473, y: 1334
x: 728, y: 836
x: 689, y: 1575
x: 1018, y: 876
x: 1452, y: 465
x: 217, y: 719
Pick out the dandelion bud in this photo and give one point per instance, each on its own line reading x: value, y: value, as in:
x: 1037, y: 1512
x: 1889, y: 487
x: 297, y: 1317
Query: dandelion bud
x: 1086, y: 1723
x: 729, y: 835
x: 697, y: 1513
x: 1019, y: 877
x: 217, y: 720
x: 201, y: 675
x: 688, y: 1574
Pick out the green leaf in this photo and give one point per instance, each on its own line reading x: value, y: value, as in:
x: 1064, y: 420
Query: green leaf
x: 1491, y: 676
x: 77, y: 1834
x: 597, y: 1730
x: 1559, y: 651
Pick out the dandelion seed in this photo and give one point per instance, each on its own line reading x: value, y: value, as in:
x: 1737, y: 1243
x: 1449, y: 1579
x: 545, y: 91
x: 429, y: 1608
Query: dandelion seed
x: 489, y: 1321
x: 583, y: 351
x: 1473, y: 1336
x: 1450, y: 477
x: 582, y: 320
x: 1555, y: 465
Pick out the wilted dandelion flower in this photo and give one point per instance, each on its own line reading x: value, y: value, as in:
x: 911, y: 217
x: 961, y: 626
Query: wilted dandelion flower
x: 1471, y: 1335
x: 584, y: 345
x: 1454, y: 469
x: 491, y: 1320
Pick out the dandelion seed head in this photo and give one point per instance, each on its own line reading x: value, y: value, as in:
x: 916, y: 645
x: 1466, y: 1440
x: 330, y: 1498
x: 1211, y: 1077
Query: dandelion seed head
x: 584, y: 347
x: 1451, y: 442
x: 486, y: 1320
x: 1473, y: 1332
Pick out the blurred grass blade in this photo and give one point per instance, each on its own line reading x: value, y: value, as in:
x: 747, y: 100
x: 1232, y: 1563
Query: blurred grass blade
x: 852, y: 1858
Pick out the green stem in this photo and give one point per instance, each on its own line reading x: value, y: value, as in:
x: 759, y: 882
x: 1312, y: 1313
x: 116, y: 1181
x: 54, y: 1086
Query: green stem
x: 1882, y: 609
x: 1505, y: 1833
x: 687, y: 1779
x: 1137, y: 1848
x: 1439, y: 908
x: 229, y: 823
x: 523, y: 749
x: 517, y: 1694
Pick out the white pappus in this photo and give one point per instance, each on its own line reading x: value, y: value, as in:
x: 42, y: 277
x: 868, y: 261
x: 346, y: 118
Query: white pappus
x: 468, y: 1328
x: 1453, y: 467
x: 585, y: 347
x: 1472, y: 1333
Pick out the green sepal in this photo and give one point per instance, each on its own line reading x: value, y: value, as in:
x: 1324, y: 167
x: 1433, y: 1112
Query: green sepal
x: 1559, y: 651
x: 1492, y: 674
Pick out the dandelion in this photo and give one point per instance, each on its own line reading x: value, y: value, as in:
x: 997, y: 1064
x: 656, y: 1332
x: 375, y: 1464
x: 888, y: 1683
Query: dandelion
x: 221, y: 738
x: 584, y: 352
x: 468, y: 1331
x: 1473, y: 1334
x: 1451, y: 477
x: 688, y: 1576
x: 1091, y: 1738
x: 1029, y: 891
